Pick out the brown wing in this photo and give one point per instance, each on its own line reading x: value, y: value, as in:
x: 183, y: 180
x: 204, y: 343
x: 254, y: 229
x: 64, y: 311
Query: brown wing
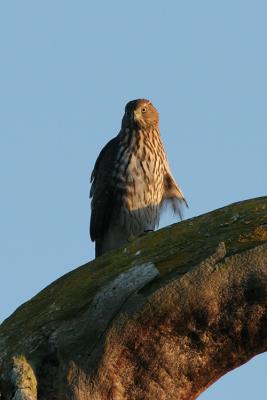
x: 174, y: 194
x: 102, y: 191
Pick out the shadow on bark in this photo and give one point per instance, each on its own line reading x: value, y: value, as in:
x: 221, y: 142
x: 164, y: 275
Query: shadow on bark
x: 162, y: 318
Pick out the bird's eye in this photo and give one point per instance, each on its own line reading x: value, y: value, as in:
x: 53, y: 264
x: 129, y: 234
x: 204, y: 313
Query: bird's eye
x: 126, y: 112
x: 143, y: 110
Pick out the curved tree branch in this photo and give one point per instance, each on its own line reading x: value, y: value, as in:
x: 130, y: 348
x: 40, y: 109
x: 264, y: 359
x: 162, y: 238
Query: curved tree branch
x: 161, y: 319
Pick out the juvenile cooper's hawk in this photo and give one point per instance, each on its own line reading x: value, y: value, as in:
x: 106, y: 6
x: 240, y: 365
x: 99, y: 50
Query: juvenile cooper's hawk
x: 131, y: 180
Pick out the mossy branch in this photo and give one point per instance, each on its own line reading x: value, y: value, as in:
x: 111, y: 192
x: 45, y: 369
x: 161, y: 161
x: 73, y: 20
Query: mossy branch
x: 162, y: 318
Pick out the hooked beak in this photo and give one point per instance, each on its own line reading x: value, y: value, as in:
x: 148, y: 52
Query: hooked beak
x: 136, y: 114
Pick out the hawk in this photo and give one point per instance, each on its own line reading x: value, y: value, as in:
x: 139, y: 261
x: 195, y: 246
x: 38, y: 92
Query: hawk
x: 131, y: 180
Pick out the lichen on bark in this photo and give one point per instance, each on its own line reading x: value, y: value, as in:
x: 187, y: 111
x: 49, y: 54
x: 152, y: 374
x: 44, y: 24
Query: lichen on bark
x: 162, y: 318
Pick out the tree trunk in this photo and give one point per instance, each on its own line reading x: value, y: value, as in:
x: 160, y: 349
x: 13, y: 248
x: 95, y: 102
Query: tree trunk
x: 162, y: 318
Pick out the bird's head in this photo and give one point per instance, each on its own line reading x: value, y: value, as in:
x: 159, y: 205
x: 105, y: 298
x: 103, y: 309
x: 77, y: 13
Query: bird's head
x: 140, y: 113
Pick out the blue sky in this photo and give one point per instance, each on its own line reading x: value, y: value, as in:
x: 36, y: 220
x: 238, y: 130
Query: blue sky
x: 66, y: 71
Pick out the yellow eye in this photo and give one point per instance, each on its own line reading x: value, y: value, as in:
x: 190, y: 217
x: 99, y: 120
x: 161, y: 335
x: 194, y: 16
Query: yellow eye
x: 143, y: 110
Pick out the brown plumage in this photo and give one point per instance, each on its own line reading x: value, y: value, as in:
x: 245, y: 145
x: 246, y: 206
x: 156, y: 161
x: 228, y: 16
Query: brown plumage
x: 131, y: 180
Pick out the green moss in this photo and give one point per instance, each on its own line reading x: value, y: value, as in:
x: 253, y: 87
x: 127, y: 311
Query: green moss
x: 173, y: 249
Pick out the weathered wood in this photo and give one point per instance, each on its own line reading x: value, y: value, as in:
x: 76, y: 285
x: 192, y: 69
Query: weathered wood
x: 162, y: 318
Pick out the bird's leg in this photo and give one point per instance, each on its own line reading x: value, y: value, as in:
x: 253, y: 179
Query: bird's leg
x: 145, y: 232
x: 131, y: 238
